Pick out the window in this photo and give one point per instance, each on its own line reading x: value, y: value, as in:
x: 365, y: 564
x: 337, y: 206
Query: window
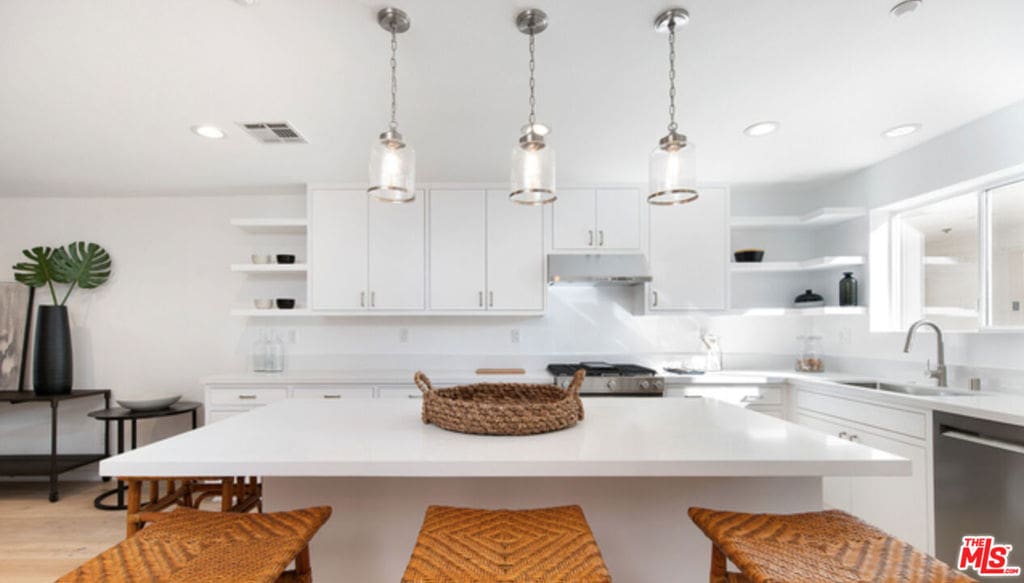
x: 956, y: 260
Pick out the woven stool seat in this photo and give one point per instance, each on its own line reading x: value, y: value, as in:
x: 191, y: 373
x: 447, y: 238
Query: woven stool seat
x: 813, y: 547
x: 214, y: 547
x: 463, y: 545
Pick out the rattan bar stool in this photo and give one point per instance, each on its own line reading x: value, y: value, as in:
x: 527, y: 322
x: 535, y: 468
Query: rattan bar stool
x: 462, y: 545
x: 214, y: 547
x: 812, y: 547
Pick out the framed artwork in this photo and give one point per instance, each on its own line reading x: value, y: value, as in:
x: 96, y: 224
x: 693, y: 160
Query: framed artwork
x: 15, y: 320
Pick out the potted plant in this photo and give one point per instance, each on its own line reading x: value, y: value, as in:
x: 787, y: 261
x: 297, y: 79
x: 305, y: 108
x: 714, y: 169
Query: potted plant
x: 78, y: 265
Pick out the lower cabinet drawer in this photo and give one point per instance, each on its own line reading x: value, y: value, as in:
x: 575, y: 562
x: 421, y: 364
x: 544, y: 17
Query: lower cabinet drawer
x: 912, y: 423
x: 329, y: 393
x: 247, y: 396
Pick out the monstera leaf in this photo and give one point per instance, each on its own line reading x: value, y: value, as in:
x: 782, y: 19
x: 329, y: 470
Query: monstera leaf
x: 86, y: 265
x: 38, y: 270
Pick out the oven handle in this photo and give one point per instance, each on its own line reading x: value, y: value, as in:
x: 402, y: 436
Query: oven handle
x: 986, y: 441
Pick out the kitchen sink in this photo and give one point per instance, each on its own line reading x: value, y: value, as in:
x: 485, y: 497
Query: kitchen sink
x: 909, y: 389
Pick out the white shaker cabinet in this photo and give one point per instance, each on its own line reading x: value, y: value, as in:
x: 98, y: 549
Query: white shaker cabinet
x: 458, y: 258
x: 338, y: 245
x: 397, y: 257
x: 689, y: 253
x: 515, y: 254
x: 596, y: 220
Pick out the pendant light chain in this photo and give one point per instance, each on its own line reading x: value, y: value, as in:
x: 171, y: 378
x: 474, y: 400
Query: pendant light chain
x: 393, y: 124
x: 672, y: 76
x: 533, y: 84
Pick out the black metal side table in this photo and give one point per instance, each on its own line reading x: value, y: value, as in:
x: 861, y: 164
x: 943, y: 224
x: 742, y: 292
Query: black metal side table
x: 120, y: 416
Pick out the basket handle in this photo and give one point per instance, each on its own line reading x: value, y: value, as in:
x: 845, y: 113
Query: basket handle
x: 577, y: 382
x: 422, y: 382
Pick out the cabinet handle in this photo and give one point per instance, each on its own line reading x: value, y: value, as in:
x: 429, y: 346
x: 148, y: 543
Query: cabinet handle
x: 415, y: 396
x: 332, y: 396
x: 600, y: 238
x: 854, y: 437
x: 362, y: 299
x: 843, y: 435
x: 752, y: 398
x: 373, y: 299
x: 246, y: 397
x: 590, y: 238
x: 654, y: 294
x: 480, y: 298
x: 490, y: 299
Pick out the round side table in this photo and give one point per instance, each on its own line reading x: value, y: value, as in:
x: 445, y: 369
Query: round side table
x: 121, y: 416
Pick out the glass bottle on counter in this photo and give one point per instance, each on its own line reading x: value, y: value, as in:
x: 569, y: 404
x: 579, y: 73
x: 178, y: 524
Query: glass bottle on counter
x: 259, y: 352
x: 810, y: 358
x: 275, y: 353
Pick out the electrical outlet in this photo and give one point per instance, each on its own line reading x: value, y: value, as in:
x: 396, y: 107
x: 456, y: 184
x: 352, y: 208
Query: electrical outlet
x: 292, y: 336
x: 514, y: 336
x: 403, y: 335
x: 845, y: 336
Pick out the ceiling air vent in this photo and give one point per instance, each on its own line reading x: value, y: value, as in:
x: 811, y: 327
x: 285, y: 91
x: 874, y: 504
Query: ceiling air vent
x: 273, y: 132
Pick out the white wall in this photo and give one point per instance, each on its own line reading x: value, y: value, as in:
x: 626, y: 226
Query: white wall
x: 989, y: 149
x: 162, y: 321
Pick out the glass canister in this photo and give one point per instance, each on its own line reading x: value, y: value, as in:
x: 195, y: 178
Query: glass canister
x: 810, y: 357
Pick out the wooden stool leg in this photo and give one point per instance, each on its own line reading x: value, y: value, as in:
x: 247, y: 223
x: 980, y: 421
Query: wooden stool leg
x: 303, y: 568
x: 133, y: 503
x: 718, y: 566
x: 226, y: 491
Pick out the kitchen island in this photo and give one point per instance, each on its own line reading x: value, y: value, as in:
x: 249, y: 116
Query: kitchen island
x: 634, y: 464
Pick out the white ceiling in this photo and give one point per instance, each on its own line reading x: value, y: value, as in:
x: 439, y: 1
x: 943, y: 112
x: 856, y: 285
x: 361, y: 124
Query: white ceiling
x: 99, y: 96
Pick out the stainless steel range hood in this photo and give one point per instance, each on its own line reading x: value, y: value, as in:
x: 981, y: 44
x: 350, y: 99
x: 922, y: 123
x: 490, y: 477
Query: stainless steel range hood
x: 598, y: 269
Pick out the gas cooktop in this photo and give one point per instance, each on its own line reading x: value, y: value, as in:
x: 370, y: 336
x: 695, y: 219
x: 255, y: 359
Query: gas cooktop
x: 611, y: 379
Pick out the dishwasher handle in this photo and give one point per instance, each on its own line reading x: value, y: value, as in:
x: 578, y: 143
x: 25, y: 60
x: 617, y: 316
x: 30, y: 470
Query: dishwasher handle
x: 985, y: 441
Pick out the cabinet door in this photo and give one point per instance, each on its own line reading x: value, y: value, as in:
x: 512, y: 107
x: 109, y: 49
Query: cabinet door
x: 618, y: 219
x: 898, y: 505
x: 689, y: 253
x: 515, y: 254
x: 337, y: 249
x: 835, y: 491
x: 397, y: 255
x: 458, y: 241
x: 572, y: 220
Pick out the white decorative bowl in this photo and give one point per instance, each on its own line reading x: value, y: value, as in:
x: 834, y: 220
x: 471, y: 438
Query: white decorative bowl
x: 149, y: 404
x: 263, y: 304
x: 261, y: 259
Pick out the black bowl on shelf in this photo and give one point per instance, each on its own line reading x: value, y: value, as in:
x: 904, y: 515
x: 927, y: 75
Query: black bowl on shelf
x: 749, y: 255
x: 285, y: 303
x: 286, y: 259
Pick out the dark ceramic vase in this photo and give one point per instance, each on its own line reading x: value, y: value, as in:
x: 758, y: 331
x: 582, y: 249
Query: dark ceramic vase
x: 52, y: 363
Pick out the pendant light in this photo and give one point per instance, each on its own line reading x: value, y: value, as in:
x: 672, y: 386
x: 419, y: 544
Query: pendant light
x: 392, y: 160
x: 533, y: 161
x: 673, y: 169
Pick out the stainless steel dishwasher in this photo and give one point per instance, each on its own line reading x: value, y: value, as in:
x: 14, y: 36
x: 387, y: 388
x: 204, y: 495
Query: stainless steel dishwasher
x: 979, y: 484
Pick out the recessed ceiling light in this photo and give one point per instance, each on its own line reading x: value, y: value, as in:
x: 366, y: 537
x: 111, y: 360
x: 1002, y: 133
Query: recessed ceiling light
x: 208, y: 131
x: 905, y: 7
x: 901, y: 130
x: 761, y: 128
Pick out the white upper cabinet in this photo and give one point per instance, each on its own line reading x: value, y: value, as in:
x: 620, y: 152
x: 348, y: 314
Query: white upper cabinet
x: 458, y: 261
x: 689, y: 253
x: 337, y: 249
x: 397, y: 255
x: 596, y: 220
x: 515, y: 254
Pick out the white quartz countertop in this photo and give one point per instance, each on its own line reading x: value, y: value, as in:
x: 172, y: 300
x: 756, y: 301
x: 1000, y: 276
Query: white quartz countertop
x: 622, y: 437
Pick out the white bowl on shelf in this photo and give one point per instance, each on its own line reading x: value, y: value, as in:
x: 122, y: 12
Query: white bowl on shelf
x: 261, y: 259
x: 263, y: 304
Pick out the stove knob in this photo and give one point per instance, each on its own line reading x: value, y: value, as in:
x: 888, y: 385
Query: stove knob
x: 611, y: 385
x: 645, y: 385
x: 565, y: 384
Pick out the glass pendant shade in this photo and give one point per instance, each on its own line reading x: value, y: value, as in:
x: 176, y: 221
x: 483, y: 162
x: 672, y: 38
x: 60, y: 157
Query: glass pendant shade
x: 533, y: 174
x: 392, y: 170
x: 673, y: 174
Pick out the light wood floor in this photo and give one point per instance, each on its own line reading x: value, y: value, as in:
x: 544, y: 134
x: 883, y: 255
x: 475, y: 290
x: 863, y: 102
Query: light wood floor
x: 40, y: 541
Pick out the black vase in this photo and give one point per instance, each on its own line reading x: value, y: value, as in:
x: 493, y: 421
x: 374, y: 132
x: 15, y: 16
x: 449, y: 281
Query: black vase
x: 52, y: 363
x: 848, y: 290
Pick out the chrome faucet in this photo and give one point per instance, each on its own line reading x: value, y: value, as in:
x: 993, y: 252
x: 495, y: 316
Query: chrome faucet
x: 939, y: 373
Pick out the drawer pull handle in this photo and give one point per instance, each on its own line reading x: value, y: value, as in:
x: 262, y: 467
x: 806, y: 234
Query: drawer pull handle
x: 843, y: 435
x: 415, y: 396
x: 854, y: 437
x: 752, y: 398
x: 332, y: 396
x: 247, y: 397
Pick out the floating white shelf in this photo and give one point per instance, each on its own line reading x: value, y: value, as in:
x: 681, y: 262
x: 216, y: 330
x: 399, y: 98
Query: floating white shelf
x: 818, y: 311
x: 822, y: 217
x: 274, y: 312
x: 272, y: 225
x: 940, y: 261
x: 269, y: 268
x: 815, y: 264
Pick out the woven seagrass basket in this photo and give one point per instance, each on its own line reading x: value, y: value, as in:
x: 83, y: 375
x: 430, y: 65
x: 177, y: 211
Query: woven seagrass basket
x: 502, y: 408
